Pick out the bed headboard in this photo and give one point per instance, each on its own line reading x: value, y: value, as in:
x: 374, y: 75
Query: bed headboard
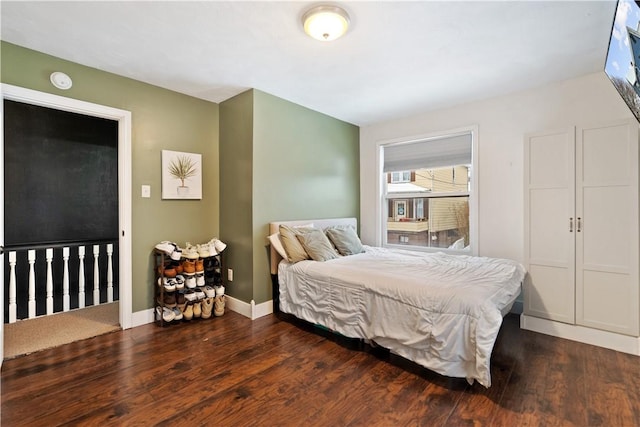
x: 274, y: 227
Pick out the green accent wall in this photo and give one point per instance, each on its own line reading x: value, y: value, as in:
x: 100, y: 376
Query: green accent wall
x: 161, y: 120
x: 295, y: 163
x: 236, y: 172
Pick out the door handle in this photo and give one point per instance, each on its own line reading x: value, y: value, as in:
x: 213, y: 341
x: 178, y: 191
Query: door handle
x: 570, y: 225
x: 579, y: 225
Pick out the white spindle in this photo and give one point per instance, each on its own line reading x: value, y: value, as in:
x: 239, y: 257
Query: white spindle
x: 81, y: 277
x: 109, y: 272
x: 49, y: 258
x: 13, y: 307
x: 66, y: 305
x: 31, y: 256
x: 96, y: 275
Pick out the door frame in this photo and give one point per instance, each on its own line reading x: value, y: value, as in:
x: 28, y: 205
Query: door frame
x: 123, y: 117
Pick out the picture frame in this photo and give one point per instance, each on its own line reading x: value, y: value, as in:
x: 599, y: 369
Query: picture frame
x: 181, y: 175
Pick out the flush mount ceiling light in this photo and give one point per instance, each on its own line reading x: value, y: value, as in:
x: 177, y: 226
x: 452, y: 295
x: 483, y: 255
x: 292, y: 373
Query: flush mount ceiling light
x: 60, y: 80
x: 325, y: 23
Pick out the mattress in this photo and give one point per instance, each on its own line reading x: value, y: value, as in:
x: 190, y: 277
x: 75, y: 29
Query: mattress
x: 439, y: 310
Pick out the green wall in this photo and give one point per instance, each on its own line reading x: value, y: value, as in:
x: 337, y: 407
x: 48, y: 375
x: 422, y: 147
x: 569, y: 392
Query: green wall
x: 161, y: 120
x: 304, y: 165
x: 236, y: 142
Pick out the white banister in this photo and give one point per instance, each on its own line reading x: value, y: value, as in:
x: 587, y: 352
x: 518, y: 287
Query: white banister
x: 110, y: 272
x: 96, y: 275
x: 31, y: 256
x: 81, y: 277
x: 49, y: 258
x: 13, y: 307
x: 66, y: 304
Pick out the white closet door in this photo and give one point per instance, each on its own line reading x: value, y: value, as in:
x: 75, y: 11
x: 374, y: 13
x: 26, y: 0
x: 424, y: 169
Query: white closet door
x: 549, y: 290
x: 607, y: 238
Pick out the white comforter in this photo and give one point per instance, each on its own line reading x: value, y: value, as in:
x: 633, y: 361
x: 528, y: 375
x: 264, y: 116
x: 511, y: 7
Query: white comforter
x: 440, y: 311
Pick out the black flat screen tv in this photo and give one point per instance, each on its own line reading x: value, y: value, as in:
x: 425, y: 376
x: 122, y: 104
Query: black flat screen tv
x: 622, y: 65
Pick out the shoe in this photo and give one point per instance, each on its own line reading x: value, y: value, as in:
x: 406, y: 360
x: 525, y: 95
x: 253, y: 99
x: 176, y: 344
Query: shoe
x: 165, y: 313
x: 219, y: 245
x: 179, y: 281
x: 190, y: 282
x: 190, y: 252
x: 187, y: 311
x: 177, y: 313
x: 209, y: 292
x: 219, y: 290
x: 197, y: 309
x: 200, y: 293
x: 199, y: 279
x: 189, y: 267
x: 218, y: 306
x: 170, y: 272
x: 170, y: 249
x: 178, y: 267
x: 169, y: 285
x: 169, y: 300
x: 207, y: 307
x: 180, y: 299
x: 203, y: 251
x: 199, y: 266
x: 190, y: 295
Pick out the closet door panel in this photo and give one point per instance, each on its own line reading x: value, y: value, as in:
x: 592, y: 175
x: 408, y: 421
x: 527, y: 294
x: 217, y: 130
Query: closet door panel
x: 607, y: 289
x: 549, y: 289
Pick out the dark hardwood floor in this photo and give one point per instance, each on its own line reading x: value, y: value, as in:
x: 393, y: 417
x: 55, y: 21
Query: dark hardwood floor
x: 231, y: 371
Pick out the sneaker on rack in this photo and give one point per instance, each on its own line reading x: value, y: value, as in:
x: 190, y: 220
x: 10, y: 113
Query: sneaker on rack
x: 203, y: 251
x: 188, y: 267
x: 219, y: 290
x: 207, y: 307
x: 209, y: 291
x: 190, y: 295
x: 197, y: 309
x: 218, y: 308
x: 200, y: 293
x: 199, y: 266
x: 165, y: 313
x: 177, y: 313
x: 190, y: 282
x: 187, y: 311
x: 219, y: 245
x: 179, y: 281
x: 190, y: 252
x: 200, y: 279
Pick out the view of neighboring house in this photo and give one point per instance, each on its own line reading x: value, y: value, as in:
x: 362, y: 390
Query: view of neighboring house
x: 429, y: 207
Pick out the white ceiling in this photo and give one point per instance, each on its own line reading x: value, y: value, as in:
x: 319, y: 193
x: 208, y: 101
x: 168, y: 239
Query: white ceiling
x: 398, y: 58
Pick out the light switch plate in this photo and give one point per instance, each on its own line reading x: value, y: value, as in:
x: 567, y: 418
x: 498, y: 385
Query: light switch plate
x: 146, y: 191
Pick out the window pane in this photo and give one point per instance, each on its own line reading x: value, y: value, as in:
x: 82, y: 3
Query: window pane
x: 437, y: 222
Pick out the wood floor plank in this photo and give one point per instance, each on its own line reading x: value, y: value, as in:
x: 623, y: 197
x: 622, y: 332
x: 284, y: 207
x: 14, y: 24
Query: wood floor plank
x: 232, y: 371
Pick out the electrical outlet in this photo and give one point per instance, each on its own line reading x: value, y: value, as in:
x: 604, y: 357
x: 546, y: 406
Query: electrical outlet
x: 230, y: 274
x: 145, y: 191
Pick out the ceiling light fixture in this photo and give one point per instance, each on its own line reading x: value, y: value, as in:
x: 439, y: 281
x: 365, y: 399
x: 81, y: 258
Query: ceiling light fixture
x: 60, y: 80
x: 325, y: 23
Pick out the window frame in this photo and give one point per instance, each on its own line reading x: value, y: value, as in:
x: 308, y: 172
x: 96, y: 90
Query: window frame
x: 383, y: 199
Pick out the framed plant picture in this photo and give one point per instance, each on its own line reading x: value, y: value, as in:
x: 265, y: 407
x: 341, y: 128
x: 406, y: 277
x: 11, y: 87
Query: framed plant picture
x: 181, y: 175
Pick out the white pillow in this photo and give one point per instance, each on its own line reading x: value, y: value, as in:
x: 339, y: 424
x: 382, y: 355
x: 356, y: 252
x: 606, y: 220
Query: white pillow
x: 276, y: 244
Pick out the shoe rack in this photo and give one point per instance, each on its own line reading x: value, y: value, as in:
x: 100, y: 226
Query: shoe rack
x: 196, y: 298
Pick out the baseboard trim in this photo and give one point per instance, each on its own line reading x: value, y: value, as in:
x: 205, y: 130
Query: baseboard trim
x: 143, y: 317
x: 251, y: 310
x: 610, y: 340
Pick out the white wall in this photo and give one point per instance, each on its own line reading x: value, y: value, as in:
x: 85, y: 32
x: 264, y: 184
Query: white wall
x: 501, y: 122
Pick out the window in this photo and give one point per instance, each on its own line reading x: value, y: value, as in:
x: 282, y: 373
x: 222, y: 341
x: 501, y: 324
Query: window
x: 426, y: 193
x: 404, y: 176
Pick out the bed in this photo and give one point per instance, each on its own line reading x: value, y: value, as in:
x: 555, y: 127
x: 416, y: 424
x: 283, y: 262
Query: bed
x: 439, y: 310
